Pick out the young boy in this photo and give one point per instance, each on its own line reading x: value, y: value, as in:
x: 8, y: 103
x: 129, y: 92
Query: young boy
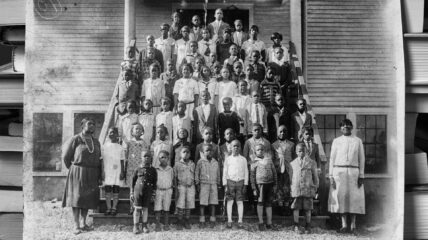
x: 207, y: 48
x: 126, y: 90
x: 233, y: 57
x: 264, y: 184
x: 207, y: 180
x: 312, y: 150
x: 143, y: 184
x: 241, y: 101
x: 160, y: 144
x: 158, y: 53
x: 256, y: 139
x: 215, y: 71
x: 226, y: 148
x: 149, y: 59
x: 147, y: 120
x: 126, y: 121
x: 205, y: 115
x: 223, y: 46
x: 228, y: 119
x: 238, y: 73
x: 131, y: 64
x: 113, y: 170
x: 165, y: 175
x: 304, y: 184
x: 181, y: 120
x: 165, y: 117
x: 182, y: 136
x: 299, y: 120
x: 207, y: 135
x: 184, y: 181
x: 278, y: 115
x: 239, y: 36
x: 257, y: 113
x: 168, y: 78
x: 197, y: 67
x: 165, y: 44
x: 193, y: 55
x: 284, y: 153
x: 269, y: 88
x: 235, y: 181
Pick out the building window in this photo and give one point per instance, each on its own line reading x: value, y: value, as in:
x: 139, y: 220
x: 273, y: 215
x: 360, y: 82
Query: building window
x: 372, y: 131
x: 328, y: 126
x: 47, y: 135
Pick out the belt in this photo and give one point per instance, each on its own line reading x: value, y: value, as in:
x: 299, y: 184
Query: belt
x: 345, y: 166
x: 187, y: 186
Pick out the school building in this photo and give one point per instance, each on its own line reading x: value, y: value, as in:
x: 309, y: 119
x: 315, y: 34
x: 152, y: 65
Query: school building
x: 348, y: 63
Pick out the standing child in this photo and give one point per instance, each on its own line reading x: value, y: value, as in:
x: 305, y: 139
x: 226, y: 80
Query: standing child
x: 207, y: 180
x: 299, y: 120
x: 114, y: 170
x: 224, y: 45
x: 239, y: 36
x: 241, y: 101
x: 226, y: 148
x: 208, y: 84
x: 181, y: 120
x: 148, y: 60
x: 284, y: 153
x: 126, y: 121
x: 233, y: 57
x: 253, y: 84
x: 165, y: 117
x: 259, y: 68
x: 184, y: 181
x: 238, y: 73
x: 257, y: 113
x: 304, y: 184
x: 165, y: 44
x: 253, y: 44
x: 269, y: 88
x: 168, y: 78
x: 264, y: 184
x: 182, y: 46
x: 182, y: 135
x: 147, y: 120
x: 270, y: 53
x: 235, y: 181
x: 312, y: 150
x: 216, y: 71
x: 143, y: 184
x: 192, y: 55
x: 163, y: 195
x: 198, y: 65
x: 207, y: 48
x: 280, y: 63
x: 160, y: 144
x: 127, y: 90
x: 228, y: 119
x: 207, y: 135
x: 278, y: 115
x: 153, y: 88
x: 158, y: 53
x: 226, y: 88
x: 186, y: 90
x: 205, y: 115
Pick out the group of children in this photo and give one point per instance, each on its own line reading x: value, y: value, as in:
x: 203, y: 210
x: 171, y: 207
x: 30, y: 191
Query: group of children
x: 179, y: 135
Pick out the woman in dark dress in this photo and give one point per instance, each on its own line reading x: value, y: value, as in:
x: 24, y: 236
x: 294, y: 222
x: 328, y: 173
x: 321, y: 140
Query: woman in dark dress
x: 82, y: 157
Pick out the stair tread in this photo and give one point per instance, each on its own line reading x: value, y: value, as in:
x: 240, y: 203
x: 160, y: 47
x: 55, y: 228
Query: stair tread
x: 124, y: 215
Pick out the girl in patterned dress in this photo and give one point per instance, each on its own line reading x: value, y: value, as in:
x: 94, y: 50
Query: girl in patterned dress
x: 153, y: 88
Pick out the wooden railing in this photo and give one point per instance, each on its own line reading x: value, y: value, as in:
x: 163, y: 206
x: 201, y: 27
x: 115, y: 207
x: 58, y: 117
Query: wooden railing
x: 302, y: 92
x: 109, y: 118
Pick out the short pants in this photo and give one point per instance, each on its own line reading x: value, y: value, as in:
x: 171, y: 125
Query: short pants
x: 302, y: 203
x: 234, y: 190
x: 208, y: 194
x: 163, y: 200
x: 186, y: 197
x: 265, y: 192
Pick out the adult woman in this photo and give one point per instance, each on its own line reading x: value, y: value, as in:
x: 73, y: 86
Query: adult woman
x: 81, y: 156
x: 253, y: 44
x: 346, y: 176
x: 175, y: 30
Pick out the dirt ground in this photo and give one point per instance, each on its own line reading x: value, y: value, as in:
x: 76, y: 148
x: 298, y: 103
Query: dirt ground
x: 47, y: 220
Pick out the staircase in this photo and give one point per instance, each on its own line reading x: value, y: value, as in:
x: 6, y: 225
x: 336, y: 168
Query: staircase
x: 281, y: 215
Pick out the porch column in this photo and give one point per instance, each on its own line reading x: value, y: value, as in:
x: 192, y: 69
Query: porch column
x: 296, y: 26
x: 129, y: 23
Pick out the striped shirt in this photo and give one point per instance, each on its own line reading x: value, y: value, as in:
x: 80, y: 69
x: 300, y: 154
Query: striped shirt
x: 268, y: 90
x: 263, y: 172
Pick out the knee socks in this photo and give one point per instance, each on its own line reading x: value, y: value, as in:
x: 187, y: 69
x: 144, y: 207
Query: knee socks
x: 260, y: 213
x: 115, y: 200
x: 240, y: 210
x: 108, y: 199
x: 136, y: 216
x: 269, y: 215
x: 229, y: 210
x: 145, y: 214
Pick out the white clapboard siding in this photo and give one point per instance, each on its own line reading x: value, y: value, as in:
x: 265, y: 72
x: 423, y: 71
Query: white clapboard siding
x: 12, y: 12
x: 74, y: 50
x: 11, y: 226
x: 11, y: 144
x: 11, y: 201
x: 416, y: 215
x: 11, y: 169
x: 349, y: 53
x: 417, y: 60
x: 11, y: 91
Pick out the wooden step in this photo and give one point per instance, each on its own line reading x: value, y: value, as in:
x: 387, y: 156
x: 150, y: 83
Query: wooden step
x: 100, y: 219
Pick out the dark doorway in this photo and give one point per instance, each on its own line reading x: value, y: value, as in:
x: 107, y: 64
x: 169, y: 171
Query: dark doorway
x: 421, y: 132
x: 230, y: 14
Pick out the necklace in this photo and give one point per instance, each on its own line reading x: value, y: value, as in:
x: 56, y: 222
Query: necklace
x: 92, y: 143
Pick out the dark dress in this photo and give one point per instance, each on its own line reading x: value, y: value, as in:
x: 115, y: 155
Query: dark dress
x: 225, y: 121
x: 81, y: 188
x: 143, y: 184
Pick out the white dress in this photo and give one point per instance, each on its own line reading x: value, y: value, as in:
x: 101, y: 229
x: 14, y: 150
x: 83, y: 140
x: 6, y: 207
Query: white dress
x: 111, y: 154
x: 187, y: 88
x: 154, y: 89
x: 346, y: 166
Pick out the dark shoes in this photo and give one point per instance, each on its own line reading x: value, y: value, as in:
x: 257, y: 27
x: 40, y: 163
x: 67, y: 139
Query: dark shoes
x: 262, y: 227
x: 187, y: 224
x: 145, y: 228
x: 229, y: 225
x: 136, y: 229
x: 343, y: 230
x: 158, y: 227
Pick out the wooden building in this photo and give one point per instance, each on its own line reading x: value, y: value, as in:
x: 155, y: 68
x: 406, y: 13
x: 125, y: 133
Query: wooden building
x: 352, y: 64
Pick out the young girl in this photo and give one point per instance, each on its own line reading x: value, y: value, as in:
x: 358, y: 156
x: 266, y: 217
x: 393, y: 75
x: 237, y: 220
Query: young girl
x: 253, y: 44
x: 259, y: 68
x: 153, y: 88
x: 206, y: 83
x: 114, y: 170
x: 304, y: 184
x: 160, y: 144
x: 165, y: 116
x: 215, y: 71
x: 270, y: 53
x: 165, y: 44
x: 126, y: 121
x: 147, y: 120
x: 147, y: 62
x: 207, y: 47
x: 182, y: 120
x: 182, y: 135
x: 184, y: 181
x: 226, y: 88
x: 169, y: 77
x: 182, y: 46
x: 238, y: 73
x: 186, y: 90
x: 241, y: 101
x: 144, y: 181
x: 193, y: 55
x: 253, y: 84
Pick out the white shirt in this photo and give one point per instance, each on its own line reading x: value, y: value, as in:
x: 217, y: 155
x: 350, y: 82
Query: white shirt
x: 147, y: 120
x: 153, y: 89
x: 235, y: 169
x: 125, y: 128
x: 302, y: 116
x: 184, y: 122
x: 182, y: 49
x: 158, y: 146
x: 347, y: 151
x: 166, y: 46
x: 186, y: 88
x: 165, y: 118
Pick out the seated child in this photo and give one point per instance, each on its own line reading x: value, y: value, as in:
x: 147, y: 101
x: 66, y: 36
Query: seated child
x: 160, y: 144
x: 257, y: 113
x: 237, y: 72
x: 207, y: 135
x: 144, y: 181
x: 278, y: 115
x: 165, y: 116
x: 163, y: 195
x: 182, y: 136
x: 169, y: 77
x: 241, y: 101
x: 186, y: 90
x: 207, y: 180
x: 181, y: 120
x: 113, y: 170
x: 226, y: 88
x: 126, y: 121
x: 205, y: 115
x: 228, y: 119
x: 235, y: 181
x: 206, y: 83
x: 184, y: 181
x: 127, y: 90
x: 284, y: 153
x: 147, y: 120
x: 269, y: 88
x: 299, y: 120
x: 304, y: 184
x: 253, y: 84
x: 207, y: 48
x: 230, y: 61
x: 264, y: 183
x: 153, y: 88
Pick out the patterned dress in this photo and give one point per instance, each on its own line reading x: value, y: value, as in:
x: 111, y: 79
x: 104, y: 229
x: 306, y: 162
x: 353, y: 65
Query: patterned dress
x: 132, y: 151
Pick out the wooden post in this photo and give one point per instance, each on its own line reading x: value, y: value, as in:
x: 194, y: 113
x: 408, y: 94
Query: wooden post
x: 129, y: 23
x: 296, y: 26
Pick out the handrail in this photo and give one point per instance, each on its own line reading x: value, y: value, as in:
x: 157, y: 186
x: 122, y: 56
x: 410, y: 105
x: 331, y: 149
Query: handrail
x: 109, y: 116
x: 299, y: 80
